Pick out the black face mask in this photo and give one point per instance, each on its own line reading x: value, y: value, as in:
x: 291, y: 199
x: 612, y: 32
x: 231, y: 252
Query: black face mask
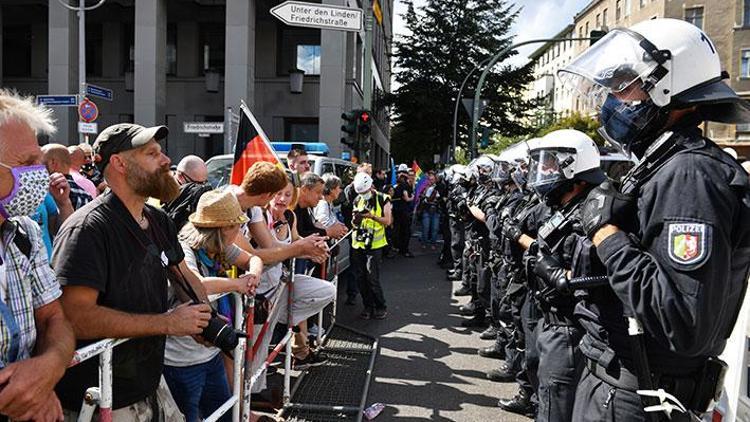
x: 632, y: 128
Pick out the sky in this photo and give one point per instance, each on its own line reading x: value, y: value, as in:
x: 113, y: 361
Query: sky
x: 538, y: 18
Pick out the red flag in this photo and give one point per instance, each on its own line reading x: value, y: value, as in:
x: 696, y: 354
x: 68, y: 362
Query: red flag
x: 252, y: 146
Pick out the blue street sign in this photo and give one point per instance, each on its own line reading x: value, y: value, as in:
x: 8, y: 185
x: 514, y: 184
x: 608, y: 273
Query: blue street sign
x: 97, y: 91
x: 346, y: 155
x: 57, y: 100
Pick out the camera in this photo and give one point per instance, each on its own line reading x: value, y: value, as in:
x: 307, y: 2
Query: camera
x: 220, y: 334
x: 365, y: 236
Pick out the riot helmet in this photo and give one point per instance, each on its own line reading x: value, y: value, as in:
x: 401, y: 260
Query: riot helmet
x: 482, y: 168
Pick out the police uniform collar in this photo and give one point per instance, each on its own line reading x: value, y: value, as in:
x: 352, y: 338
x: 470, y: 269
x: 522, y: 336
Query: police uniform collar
x: 690, y: 138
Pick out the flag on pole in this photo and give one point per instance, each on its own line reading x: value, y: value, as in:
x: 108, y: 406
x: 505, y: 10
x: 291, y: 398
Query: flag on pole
x: 393, y: 173
x: 420, y: 181
x: 252, y: 146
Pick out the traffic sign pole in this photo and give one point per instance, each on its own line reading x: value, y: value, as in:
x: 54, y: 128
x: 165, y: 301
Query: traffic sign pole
x: 367, y: 74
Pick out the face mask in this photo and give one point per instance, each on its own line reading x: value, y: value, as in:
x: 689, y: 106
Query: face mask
x: 30, y: 186
x: 366, y: 196
x: 631, y: 127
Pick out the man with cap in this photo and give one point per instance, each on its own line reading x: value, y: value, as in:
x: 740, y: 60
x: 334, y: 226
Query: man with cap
x: 371, y: 215
x: 112, y: 259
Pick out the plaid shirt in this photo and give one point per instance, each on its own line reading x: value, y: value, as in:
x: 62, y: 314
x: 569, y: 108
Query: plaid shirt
x: 30, y: 284
x: 78, y: 195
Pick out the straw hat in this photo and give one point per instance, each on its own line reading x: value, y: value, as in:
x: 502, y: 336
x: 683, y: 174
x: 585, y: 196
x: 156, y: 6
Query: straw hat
x: 217, y: 209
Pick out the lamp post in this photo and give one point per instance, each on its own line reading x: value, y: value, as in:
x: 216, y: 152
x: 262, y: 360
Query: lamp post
x: 452, y: 157
x: 81, y: 9
x: 492, y: 62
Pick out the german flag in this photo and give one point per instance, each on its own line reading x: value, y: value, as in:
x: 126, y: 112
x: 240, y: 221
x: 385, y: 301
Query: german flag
x: 252, y: 146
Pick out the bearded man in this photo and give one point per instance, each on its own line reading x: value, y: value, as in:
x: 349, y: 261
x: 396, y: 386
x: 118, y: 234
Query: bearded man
x: 111, y: 259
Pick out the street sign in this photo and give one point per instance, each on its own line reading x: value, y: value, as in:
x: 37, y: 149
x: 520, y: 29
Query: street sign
x: 469, y: 106
x: 57, y: 100
x: 312, y: 15
x: 97, y: 91
x: 346, y: 155
x: 88, y: 111
x: 203, y: 127
x: 88, y: 128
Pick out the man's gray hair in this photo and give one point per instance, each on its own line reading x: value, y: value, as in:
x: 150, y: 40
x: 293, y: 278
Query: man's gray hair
x: 310, y: 180
x: 331, y: 182
x: 23, y: 109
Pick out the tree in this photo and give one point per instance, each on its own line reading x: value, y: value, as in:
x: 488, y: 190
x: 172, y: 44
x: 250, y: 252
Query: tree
x: 578, y: 121
x: 447, y: 38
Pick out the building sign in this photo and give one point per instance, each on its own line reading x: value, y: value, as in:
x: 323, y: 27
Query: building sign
x: 203, y: 127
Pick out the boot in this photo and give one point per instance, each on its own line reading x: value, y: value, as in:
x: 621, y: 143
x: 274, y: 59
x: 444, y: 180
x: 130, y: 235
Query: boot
x: 489, y: 334
x: 502, y: 374
x: 462, y: 291
x: 475, y: 322
x: 467, y: 310
x: 492, y: 352
x: 520, y: 404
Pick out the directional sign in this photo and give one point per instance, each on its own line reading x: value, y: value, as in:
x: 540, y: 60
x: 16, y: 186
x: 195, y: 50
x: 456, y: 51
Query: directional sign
x: 97, y: 91
x: 469, y: 105
x: 57, y: 100
x: 203, y: 127
x: 88, y: 111
x: 312, y: 15
x: 88, y: 128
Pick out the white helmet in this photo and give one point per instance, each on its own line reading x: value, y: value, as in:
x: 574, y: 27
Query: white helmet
x: 459, y: 173
x: 516, y: 153
x: 362, y: 183
x: 560, y: 157
x: 482, y: 167
x: 402, y: 168
x: 671, y: 60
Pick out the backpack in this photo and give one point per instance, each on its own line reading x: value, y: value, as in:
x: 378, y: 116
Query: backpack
x: 186, y: 203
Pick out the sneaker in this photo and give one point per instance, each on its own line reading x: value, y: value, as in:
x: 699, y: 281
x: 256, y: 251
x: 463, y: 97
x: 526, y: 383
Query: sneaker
x: 366, y: 314
x: 312, y: 359
x: 380, y: 314
x: 313, y: 331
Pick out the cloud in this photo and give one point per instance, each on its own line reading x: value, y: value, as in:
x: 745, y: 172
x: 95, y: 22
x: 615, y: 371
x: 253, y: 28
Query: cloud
x: 538, y: 19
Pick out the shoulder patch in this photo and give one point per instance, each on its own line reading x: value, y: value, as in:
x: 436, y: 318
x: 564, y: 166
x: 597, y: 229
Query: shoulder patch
x: 688, y: 242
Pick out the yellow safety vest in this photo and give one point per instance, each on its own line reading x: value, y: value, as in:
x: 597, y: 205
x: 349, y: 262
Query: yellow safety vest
x: 378, y: 230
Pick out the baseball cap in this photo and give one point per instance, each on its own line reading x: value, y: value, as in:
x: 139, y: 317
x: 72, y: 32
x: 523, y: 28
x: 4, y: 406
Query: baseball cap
x: 123, y: 137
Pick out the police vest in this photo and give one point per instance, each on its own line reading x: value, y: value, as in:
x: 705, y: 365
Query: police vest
x: 377, y: 229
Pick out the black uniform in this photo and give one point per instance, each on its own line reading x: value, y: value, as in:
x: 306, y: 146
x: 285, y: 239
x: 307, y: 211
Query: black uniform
x: 456, y: 212
x: 683, y: 276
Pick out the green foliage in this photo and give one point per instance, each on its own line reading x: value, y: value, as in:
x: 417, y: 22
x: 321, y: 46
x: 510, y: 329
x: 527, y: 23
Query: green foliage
x: 500, y: 143
x: 578, y: 121
x: 447, y: 39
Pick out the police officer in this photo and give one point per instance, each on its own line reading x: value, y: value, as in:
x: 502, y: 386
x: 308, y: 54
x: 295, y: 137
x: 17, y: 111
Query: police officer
x: 564, y: 168
x: 456, y: 211
x: 674, y: 237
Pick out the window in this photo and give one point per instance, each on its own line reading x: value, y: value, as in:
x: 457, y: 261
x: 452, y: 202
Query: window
x: 300, y: 129
x: 694, y: 15
x: 618, y: 10
x: 627, y: 8
x: 94, y: 47
x: 308, y: 59
x: 642, y: 3
x: 171, y: 49
x: 328, y: 168
x: 746, y: 14
x: 128, y: 48
x: 745, y: 63
x: 598, y: 20
x: 212, y: 47
x: 580, y: 34
x: 604, y: 17
x: 17, y: 50
x: 587, y: 29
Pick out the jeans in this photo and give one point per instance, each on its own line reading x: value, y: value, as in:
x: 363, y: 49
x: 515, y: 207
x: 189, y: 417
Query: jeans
x: 199, y: 389
x: 430, y: 226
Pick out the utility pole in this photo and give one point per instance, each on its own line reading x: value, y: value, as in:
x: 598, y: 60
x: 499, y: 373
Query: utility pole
x: 81, y: 10
x: 367, y: 74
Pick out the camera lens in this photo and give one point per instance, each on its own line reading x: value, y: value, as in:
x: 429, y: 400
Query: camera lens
x: 220, y: 334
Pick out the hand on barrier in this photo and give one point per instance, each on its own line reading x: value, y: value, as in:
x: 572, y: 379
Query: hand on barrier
x: 314, y: 247
x: 26, y: 387
x: 246, y: 284
x: 337, y: 231
x: 188, y: 319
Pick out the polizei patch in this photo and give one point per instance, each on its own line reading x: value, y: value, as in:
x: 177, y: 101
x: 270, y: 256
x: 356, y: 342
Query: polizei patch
x: 687, y: 242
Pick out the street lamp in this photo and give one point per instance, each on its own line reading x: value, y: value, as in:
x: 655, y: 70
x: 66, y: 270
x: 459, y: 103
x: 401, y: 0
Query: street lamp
x: 458, y: 101
x: 81, y: 9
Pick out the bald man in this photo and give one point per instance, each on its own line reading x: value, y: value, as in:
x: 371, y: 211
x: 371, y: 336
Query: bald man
x: 746, y: 166
x: 77, y: 160
x: 191, y: 169
x: 57, y: 159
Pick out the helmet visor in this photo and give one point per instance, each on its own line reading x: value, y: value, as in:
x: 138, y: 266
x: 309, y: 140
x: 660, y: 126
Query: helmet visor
x: 611, y: 65
x: 548, y: 167
x: 501, y: 172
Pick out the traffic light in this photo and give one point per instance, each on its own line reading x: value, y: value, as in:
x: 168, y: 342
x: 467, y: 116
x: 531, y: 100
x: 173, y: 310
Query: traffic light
x: 485, y: 140
x: 351, y: 120
x: 363, y: 123
x: 596, y: 35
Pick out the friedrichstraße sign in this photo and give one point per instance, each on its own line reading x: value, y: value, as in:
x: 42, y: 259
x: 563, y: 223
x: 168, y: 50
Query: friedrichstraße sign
x: 322, y: 16
x: 203, y: 127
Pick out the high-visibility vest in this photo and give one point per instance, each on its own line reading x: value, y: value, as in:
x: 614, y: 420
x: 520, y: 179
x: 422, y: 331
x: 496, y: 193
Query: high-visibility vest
x: 378, y: 230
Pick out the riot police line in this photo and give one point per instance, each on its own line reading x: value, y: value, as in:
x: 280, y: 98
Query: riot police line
x: 611, y: 299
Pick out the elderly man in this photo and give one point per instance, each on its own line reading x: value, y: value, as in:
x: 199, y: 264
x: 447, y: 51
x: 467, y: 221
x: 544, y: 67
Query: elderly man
x: 77, y: 161
x: 191, y: 169
x: 89, y: 170
x: 298, y: 162
x: 36, y: 342
x: 191, y: 174
x: 112, y: 259
x: 57, y: 159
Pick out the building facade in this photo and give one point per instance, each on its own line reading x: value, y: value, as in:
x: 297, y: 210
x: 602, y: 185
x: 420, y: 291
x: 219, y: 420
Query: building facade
x: 555, y: 99
x: 175, y: 61
x: 726, y: 22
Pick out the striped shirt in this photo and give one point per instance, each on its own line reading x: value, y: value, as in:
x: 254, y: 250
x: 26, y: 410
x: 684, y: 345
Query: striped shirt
x: 30, y: 284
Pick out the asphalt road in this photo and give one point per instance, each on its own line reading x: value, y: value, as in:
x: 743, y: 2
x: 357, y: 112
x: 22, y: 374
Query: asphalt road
x: 428, y: 367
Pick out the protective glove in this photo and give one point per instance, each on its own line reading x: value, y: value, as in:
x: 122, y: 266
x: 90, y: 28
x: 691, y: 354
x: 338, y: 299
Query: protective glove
x: 551, y: 272
x: 511, y: 230
x: 606, y: 205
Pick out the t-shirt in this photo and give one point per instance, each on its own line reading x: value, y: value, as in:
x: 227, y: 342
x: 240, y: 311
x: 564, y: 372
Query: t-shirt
x: 325, y: 214
x: 184, y: 350
x: 47, y: 209
x: 102, y: 247
x: 306, y: 222
x: 399, y: 205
